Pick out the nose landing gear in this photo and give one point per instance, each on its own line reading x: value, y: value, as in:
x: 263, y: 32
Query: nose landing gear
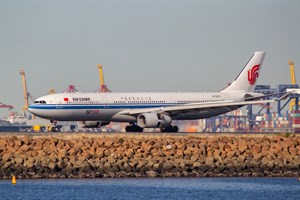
x: 53, y: 128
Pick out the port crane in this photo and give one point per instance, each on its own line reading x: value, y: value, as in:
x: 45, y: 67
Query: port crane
x: 103, y: 87
x: 51, y: 91
x: 2, y: 105
x: 293, y: 80
x: 27, y: 95
x: 70, y: 89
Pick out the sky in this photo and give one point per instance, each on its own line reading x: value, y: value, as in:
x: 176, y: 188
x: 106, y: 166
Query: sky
x: 144, y: 46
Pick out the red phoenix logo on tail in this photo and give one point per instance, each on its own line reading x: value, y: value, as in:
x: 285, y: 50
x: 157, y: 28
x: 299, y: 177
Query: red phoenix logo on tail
x: 253, y: 74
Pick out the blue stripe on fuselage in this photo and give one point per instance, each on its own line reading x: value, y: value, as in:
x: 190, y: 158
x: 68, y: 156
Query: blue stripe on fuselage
x: 97, y: 106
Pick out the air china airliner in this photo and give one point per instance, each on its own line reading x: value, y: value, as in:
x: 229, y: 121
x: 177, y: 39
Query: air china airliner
x: 151, y: 110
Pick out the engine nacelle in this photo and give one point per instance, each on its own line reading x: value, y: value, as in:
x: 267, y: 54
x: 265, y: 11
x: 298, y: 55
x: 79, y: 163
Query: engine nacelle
x: 92, y: 124
x: 153, y: 120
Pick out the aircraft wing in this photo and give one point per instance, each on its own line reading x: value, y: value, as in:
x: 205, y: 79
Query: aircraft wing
x: 173, y: 110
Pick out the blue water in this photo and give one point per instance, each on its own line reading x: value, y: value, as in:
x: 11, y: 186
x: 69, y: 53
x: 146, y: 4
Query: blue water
x: 156, y: 188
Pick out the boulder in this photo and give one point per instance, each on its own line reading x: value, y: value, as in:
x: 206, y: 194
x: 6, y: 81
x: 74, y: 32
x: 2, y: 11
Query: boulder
x: 158, y: 145
x: 3, y: 144
x: 168, y: 166
x: 17, y: 143
x: 151, y: 174
x: 24, y: 148
x: 18, y: 161
x: 6, y: 157
x: 28, y: 163
x: 99, y: 152
x: 52, y: 166
x: 108, y: 142
x: 256, y: 149
x: 242, y: 146
x: 196, y: 164
x: 210, y: 161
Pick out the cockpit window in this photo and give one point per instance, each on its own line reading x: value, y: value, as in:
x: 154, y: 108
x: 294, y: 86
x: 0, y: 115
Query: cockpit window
x: 40, y: 102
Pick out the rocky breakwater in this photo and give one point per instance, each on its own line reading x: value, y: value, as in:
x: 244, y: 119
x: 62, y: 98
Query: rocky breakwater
x: 126, y: 155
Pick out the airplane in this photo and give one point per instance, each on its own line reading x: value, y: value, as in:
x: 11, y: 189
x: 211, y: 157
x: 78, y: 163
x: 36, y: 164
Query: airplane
x: 151, y: 110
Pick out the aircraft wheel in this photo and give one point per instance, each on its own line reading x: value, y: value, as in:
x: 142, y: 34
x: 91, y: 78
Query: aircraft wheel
x: 128, y: 128
x: 170, y: 129
x: 167, y: 129
x: 134, y: 128
x: 54, y: 129
x: 175, y: 129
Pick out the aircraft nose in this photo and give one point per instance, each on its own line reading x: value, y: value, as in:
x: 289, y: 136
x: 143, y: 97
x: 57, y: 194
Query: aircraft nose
x: 30, y: 109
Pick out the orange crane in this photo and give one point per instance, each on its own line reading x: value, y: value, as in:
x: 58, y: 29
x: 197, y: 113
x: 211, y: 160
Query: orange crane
x: 293, y: 79
x: 25, y: 107
x: 27, y: 95
x: 103, y: 87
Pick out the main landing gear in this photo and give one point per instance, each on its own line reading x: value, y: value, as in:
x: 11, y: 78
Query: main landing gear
x: 169, y: 129
x: 53, y: 127
x: 133, y: 128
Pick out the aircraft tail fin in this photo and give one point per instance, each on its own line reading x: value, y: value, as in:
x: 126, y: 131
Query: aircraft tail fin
x: 246, y: 80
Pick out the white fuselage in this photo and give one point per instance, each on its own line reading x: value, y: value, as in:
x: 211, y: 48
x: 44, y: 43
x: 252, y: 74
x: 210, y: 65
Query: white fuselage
x: 151, y: 110
x: 109, y: 106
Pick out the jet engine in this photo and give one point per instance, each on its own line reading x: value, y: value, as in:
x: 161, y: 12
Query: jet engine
x: 153, y: 120
x: 92, y: 124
